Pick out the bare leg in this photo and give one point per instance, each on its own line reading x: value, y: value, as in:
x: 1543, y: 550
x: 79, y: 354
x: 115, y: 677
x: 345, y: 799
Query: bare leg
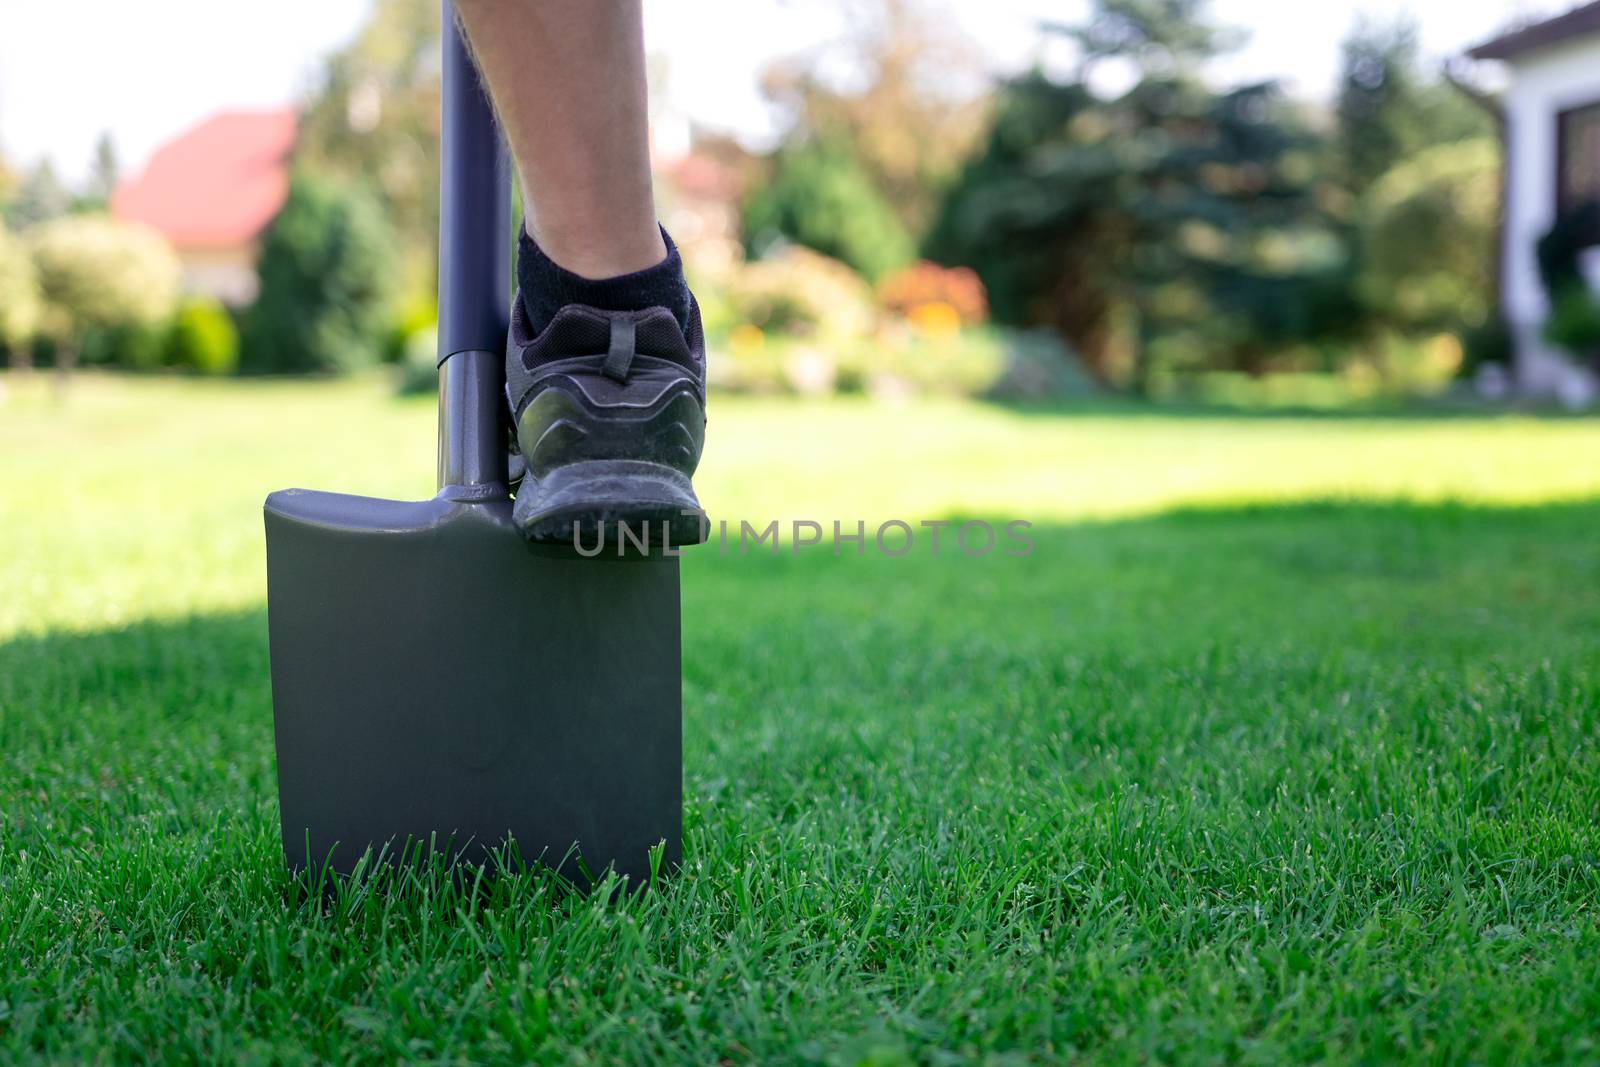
x: 568, y: 81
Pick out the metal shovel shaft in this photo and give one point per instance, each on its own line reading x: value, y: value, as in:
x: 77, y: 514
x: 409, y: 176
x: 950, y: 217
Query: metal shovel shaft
x: 474, y: 274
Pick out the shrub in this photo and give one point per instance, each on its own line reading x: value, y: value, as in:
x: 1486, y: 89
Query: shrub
x: 1409, y: 366
x: 418, y: 366
x: 100, y: 276
x: 1039, y: 365
x: 20, y: 304
x: 799, y: 293
x: 1427, y: 238
x: 131, y: 345
x: 326, y: 268
x: 820, y: 197
x: 924, y: 284
x: 1561, y: 248
x: 418, y: 312
x: 780, y: 324
x: 202, y: 338
x: 1490, y: 342
x: 800, y: 322
x: 748, y: 363
x: 1574, y: 322
x: 1295, y: 391
x: 900, y: 360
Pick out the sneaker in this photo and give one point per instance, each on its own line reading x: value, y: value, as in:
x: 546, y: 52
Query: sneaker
x: 609, y: 408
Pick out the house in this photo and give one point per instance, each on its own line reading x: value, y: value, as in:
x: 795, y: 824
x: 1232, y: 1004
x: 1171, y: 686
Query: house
x: 1550, y: 109
x: 211, y: 191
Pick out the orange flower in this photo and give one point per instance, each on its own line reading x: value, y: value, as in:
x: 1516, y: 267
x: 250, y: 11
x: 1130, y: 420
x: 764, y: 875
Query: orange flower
x: 957, y: 288
x: 934, y: 319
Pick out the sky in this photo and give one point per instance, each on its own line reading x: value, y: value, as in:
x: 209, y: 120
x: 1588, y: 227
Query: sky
x: 71, y: 69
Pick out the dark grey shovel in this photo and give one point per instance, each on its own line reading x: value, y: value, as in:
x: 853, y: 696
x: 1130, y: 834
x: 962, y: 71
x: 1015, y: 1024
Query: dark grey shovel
x: 436, y: 680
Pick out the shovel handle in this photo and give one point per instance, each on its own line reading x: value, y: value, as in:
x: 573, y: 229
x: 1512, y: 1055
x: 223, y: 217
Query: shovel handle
x: 474, y: 275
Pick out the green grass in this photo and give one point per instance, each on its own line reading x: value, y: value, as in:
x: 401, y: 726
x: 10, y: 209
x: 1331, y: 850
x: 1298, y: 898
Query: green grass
x: 1284, y: 745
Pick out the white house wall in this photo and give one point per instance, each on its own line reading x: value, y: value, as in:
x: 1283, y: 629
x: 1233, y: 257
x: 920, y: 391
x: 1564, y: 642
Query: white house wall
x: 1543, y: 84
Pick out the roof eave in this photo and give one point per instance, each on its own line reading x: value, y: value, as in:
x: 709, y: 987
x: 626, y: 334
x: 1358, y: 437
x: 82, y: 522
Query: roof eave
x: 1579, y: 22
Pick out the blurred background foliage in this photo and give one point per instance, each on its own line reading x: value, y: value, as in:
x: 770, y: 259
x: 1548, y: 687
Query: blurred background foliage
x: 374, y: 122
x: 1574, y: 322
x: 918, y: 227
x: 818, y: 195
x: 94, y: 275
x: 328, y: 281
x: 1442, y: 199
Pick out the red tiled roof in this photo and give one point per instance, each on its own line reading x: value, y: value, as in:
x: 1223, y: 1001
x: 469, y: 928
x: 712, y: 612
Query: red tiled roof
x: 1581, y: 20
x: 216, y: 185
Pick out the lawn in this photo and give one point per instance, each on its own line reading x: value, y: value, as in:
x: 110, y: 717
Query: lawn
x: 1282, y: 746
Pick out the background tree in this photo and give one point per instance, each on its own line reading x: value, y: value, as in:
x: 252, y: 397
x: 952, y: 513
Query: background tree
x: 1389, y: 108
x: 96, y: 273
x: 40, y: 195
x: 1027, y: 281
x: 375, y: 119
x: 911, y: 111
x: 1172, y: 227
x: 1417, y: 160
x: 327, y: 282
x: 104, y: 172
x: 8, y: 184
x: 862, y: 167
x: 1443, y: 200
x: 1157, y: 36
x: 19, y: 300
x: 820, y: 197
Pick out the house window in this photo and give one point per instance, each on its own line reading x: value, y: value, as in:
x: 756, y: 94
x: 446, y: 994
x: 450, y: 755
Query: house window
x: 1577, y: 157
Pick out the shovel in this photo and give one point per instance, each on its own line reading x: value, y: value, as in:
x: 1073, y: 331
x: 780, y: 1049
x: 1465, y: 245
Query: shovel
x: 438, y: 682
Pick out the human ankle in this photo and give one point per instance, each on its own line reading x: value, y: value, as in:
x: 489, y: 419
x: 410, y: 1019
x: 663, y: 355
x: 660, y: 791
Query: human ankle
x: 548, y: 283
x: 593, y: 256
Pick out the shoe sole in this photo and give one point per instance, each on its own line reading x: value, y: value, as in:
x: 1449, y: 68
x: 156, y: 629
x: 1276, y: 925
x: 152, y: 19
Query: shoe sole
x: 628, y: 505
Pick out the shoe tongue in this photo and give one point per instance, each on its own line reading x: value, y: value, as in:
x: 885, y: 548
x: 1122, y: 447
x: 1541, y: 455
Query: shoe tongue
x: 579, y: 330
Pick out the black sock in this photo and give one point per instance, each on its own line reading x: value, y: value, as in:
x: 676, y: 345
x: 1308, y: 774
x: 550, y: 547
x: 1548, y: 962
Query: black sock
x: 547, y: 286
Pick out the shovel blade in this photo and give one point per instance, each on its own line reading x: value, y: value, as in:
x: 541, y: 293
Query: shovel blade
x: 437, y: 679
